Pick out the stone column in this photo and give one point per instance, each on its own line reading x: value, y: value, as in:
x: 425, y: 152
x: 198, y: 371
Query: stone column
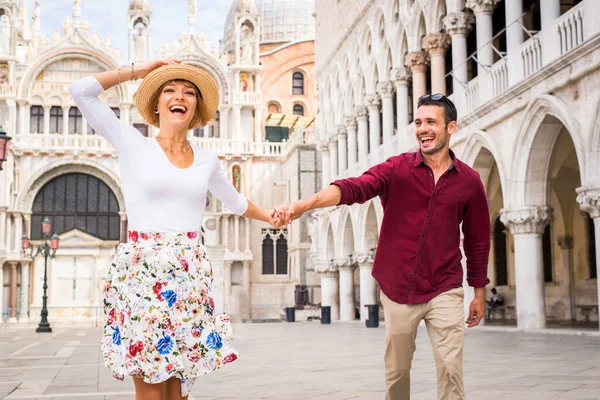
x: 23, y: 105
x: 1, y: 292
x: 258, y: 136
x: 436, y: 45
x: 346, y: 270
x: 400, y: 77
x: 3, y: 231
x: 13, y: 292
x: 9, y: 233
x: 47, y: 119
x: 363, y: 135
x: 514, y: 40
x: 24, y: 293
x: 417, y: 63
x: 325, y: 165
x: 225, y: 227
x: 352, y: 143
x: 458, y: 25
x: 342, y: 149
x: 227, y: 283
x: 333, y: 157
x: 246, y: 308
x: 527, y: 226
x: 386, y: 91
x: 368, y: 285
x: 18, y: 233
x: 124, y: 229
x: 236, y: 233
x: 589, y: 201
x: 550, y: 10
x: 483, y: 10
x: 330, y: 289
x: 247, y: 244
x: 372, y: 104
x: 566, y: 245
x: 12, y: 115
x: 65, y: 120
x: 237, y: 115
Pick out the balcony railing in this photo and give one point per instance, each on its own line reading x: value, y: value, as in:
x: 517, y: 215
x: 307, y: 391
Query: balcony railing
x: 500, y: 77
x: 97, y: 145
x: 531, y: 54
x: 570, y: 29
x: 247, y: 97
x: 6, y: 89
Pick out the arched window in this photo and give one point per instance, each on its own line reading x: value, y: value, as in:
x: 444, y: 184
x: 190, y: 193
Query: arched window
x: 36, y: 119
x: 75, y: 120
x: 298, y: 109
x: 274, y: 108
x: 56, y: 116
x: 274, y: 252
x: 297, y: 83
x: 77, y: 201
x: 500, y: 263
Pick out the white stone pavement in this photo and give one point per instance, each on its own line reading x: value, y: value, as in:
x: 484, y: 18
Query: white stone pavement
x: 312, y: 361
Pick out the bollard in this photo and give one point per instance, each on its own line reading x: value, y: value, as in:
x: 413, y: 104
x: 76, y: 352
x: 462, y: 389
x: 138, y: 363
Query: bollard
x: 290, y: 314
x: 326, y: 315
x: 372, y: 320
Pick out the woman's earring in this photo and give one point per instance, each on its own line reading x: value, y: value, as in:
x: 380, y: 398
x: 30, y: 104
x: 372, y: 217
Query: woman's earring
x: 156, y: 110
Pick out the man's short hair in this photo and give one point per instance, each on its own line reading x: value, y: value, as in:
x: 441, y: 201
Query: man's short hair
x: 440, y: 100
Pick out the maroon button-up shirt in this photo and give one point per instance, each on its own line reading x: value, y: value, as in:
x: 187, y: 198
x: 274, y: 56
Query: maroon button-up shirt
x: 418, y: 255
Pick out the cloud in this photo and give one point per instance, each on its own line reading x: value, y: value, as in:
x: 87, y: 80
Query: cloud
x: 109, y: 18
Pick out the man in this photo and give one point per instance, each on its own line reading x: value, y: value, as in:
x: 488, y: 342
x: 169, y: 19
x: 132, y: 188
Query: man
x: 495, y: 301
x: 425, y: 195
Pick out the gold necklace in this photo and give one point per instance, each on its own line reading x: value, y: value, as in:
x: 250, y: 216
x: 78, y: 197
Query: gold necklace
x: 171, y: 149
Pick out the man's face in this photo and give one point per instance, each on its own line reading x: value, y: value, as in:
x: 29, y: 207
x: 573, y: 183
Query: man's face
x: 431, y: 131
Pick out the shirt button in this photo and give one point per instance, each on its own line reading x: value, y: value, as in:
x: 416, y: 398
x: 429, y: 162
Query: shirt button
x: 428, y: 215
x: 423, y: 234
x: 430, y: 174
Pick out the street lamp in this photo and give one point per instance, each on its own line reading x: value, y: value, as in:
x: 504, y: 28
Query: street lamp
x: 47, y: 250
x: 4, y: 139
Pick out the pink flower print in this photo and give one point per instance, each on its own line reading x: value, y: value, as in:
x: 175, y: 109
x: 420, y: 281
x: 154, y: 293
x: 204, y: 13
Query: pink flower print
x: 194, y: 356
x: 137, y: 257
x: 185, y: 265
x: 230, y: 358
x: 192, y: 235
x: 145, y: 236
x: 133, y: 236
x: 170, y: 367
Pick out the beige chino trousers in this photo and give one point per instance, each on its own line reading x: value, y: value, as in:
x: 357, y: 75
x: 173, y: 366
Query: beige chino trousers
x: 444, y: 318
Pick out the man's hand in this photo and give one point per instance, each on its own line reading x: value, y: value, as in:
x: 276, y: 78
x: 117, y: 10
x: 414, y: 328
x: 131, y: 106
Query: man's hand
x: 288, y: 212
x: 476, y: 310
x: 274, y: 219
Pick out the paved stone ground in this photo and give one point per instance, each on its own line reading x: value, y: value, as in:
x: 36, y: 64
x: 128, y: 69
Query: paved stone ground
x: 312, y: 361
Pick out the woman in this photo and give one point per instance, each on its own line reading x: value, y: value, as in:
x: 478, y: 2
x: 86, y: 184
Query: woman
x: 160, y: 327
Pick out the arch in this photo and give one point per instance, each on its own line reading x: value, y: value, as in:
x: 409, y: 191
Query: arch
x: 438, y: 11
x: 476, y: 142
x: 532, y: 151
x: 347, y: 229
x: 47, y: 58
x: 246, y: 19
x: 276, y: 105
x: 593, y: 179
x: 371, y: 232
x: 48, y: 172
x: 298, y: 82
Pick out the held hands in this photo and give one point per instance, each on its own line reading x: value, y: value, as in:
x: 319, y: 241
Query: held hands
x: 288, y: 212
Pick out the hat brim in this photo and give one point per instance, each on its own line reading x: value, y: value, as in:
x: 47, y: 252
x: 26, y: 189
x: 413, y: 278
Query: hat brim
x: 208, y: 104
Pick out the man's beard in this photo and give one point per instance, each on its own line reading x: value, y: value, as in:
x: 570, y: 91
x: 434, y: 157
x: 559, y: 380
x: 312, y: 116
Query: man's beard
x: 440, y: 146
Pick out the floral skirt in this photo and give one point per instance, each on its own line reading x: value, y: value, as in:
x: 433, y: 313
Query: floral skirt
x: 159, y: 311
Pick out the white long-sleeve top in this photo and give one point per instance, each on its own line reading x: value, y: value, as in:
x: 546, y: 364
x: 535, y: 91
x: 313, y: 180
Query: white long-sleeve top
x: 159, y: 196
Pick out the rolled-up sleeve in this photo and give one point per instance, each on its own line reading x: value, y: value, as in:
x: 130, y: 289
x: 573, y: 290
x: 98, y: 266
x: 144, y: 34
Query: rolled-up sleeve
x: 476, y: 230
x: 374, y: 182
x: 224, y: 190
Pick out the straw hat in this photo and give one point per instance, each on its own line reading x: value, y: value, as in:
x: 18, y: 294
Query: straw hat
x: 147, y: 94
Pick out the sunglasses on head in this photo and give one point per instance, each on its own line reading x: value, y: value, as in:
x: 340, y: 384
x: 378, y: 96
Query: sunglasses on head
x: 438, y: 97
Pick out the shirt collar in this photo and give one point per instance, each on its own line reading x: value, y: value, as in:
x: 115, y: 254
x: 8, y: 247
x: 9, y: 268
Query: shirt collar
x: 419, y: 160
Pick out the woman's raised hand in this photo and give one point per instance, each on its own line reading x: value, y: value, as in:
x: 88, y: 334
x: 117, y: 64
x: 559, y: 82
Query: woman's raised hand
x: 145, y: 69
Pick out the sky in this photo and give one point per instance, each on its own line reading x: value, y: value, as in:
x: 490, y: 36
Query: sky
x: 109, y: 18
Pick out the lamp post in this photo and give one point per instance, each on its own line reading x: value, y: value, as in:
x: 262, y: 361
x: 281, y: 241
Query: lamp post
x: 4, y: 139
x: 47, y: 250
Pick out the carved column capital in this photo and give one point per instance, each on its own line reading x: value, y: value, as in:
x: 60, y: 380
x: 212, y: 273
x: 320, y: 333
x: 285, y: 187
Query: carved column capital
x: 527, y: 220
x: 482, y: 6
x: 459, y: 23
x: 371, y: 101
x: 326, y: 267
x: 589, y: 201
x: 365, y: 257
x: 385, y: 89
x: 400, y: 76
x: 437, y: 43
x: 340, y: 131
x: 360, y: 112
x: 417, y: 61
x: 350, y: 122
